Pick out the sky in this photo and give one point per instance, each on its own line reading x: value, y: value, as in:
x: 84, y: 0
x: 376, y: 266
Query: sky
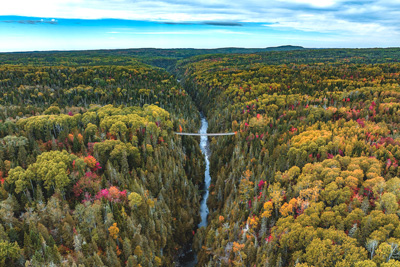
x: 109, y: 24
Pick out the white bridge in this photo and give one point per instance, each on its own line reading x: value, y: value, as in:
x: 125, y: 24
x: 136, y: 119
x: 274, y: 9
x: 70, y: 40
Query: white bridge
x: 207, y: 134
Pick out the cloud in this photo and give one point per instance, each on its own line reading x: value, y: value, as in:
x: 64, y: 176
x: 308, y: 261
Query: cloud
x: 314, y: 3
x: 348, y: 17
x: 328, y: 24
x: 157, y: 33
x: 188, y: 32
x: 33, y: 22
x: 229, y: 24
x: 211, y: 23
x: 177, y: 23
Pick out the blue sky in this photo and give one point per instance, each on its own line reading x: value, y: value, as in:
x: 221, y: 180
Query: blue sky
x: 106, y: 24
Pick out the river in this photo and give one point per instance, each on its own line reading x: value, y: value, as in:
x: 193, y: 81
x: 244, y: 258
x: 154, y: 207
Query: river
x: 190, y: 258
x: 205, y: 149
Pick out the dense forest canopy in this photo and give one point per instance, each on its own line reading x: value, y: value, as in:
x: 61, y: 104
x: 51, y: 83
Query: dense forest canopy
x: 157, y: 57
x: 92, y: 173
x: 311, y: 178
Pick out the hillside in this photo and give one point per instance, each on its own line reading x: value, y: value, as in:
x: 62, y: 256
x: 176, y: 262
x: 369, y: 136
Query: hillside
x: 163, y: 58
x: 92, y: 174
x: 311, y: 178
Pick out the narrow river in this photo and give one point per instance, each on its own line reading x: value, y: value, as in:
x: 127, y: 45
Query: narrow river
x: 190, y: 259
x: 205, y: 149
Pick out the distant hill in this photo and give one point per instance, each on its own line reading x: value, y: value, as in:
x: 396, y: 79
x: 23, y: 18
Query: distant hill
x: 284, y: 48
x: 163, y: 58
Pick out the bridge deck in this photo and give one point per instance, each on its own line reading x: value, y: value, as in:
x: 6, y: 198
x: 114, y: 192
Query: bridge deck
x: 207, y: 134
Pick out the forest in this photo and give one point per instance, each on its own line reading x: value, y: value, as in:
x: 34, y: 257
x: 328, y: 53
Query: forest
x: 92, y: 174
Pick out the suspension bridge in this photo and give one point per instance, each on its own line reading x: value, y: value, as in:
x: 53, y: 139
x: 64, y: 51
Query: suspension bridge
x: 206, y: 134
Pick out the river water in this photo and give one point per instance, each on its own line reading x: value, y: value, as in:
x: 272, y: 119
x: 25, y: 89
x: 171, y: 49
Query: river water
x: 205, y: 149
x: 190, y: 258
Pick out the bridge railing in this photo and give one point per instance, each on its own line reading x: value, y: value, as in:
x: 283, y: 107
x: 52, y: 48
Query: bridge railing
x: 207, y: 134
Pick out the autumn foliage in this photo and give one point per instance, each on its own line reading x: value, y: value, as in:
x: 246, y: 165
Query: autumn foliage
x: 92, y: 174
x: 311, y: 177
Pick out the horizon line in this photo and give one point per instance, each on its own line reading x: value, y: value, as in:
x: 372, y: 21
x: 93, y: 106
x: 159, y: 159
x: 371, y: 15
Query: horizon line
x: 193, y: 48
